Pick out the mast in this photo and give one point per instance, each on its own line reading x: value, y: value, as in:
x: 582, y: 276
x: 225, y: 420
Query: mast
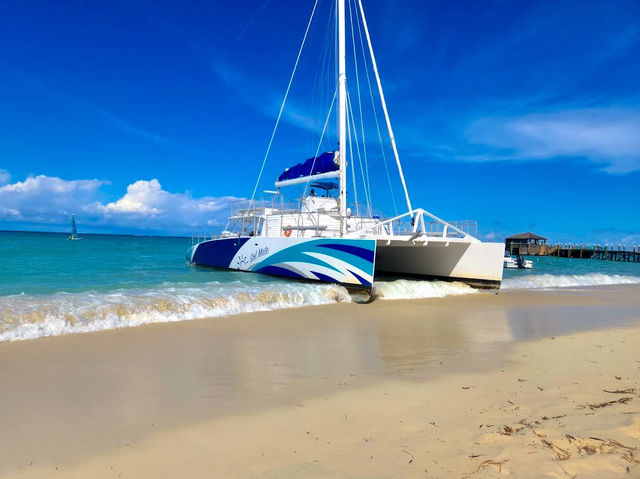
x: 342, y: 116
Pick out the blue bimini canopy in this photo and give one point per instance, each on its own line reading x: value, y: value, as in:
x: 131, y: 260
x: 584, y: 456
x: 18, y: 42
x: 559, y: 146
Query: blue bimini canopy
x: 325, y: 185
x: 317, y: 168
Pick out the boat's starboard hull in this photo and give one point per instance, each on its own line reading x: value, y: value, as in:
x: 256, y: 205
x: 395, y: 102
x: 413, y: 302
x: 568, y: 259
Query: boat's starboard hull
x: 478, y: 264
x: 329, y: 260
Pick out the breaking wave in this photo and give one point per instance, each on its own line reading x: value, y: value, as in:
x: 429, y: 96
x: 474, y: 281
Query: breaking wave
x: 411, y: 289
x: 27, y: 316
x: 31, y: 316
x: 550, y: 281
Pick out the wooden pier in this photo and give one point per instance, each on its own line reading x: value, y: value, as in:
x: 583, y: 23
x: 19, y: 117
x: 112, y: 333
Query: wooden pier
x: 599, y: 252
x: 607, y: 252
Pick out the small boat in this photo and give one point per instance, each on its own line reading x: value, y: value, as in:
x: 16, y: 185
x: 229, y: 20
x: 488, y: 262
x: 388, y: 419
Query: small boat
x: 516, y: 263
x: 322, y: 238
x: 74, y: 230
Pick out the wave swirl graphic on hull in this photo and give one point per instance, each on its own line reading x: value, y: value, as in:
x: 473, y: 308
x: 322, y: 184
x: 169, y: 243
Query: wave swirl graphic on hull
x: 334, y: 260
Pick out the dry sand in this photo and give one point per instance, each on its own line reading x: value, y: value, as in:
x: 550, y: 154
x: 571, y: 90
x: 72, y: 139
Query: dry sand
x: 531, y: 384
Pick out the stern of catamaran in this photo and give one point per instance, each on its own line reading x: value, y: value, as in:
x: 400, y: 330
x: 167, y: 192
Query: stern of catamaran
x: 420, y: 245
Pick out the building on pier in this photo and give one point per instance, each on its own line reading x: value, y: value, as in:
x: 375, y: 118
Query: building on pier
x: 526, y: 243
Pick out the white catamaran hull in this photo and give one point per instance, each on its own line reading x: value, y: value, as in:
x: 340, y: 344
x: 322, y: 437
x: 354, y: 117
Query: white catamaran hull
x: 333, y: 260
x: 476, y: 263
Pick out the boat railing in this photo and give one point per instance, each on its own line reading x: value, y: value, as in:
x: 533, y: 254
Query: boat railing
x: 462, y: 228
x: 247, y: 207
x: 307, y: 222
x: 418, y: 223
x: 199, y: 238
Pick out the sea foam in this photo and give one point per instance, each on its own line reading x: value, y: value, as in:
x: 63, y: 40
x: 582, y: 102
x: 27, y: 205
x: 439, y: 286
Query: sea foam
x: 32, y: 316
x: 412, y: 289
x: 550, y: 281
x: 28, y: 316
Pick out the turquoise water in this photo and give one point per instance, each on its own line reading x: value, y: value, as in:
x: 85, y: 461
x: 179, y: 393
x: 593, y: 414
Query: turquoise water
x: 50, y: 285
x: 45, y: 263
x: 575, y: 267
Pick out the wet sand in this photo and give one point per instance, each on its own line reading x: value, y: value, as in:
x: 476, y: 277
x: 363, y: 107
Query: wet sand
x: 532, y: 384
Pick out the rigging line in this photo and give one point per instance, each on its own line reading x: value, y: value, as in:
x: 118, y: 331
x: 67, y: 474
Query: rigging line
x: 355, y: 135
x: 353, y: 169
x: 364, y: 144
x: 320, y: 91
x: 324, y: 129
x: 284, y: 100
x: 352, y: 140
x: 384, y: 109
x: 328, y: 62
x: 335, y: 57
x: 375, y: 116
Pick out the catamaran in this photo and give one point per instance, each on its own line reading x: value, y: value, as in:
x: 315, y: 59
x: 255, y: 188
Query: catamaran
x: 74, y: 230
x: 322, y: 239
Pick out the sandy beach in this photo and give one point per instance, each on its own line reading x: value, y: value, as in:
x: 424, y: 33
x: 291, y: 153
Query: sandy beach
x: 518, y: 384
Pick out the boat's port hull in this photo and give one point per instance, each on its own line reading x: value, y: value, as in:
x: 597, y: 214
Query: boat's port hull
x: 476, y: 263
x: 329, y: 260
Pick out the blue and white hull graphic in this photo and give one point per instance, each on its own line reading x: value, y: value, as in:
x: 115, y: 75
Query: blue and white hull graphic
x: 330, y: 260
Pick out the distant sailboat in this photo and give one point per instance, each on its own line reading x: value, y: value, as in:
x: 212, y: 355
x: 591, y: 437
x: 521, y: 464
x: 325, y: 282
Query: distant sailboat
x: 74, y: 229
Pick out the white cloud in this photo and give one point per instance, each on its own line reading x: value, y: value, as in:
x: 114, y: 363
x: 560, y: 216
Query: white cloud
x: 608, y: 137
x: 4, y: 177
x: 50, y: 184
x: 145, y: 207
x: 43, y: 199
x: 140, y: 198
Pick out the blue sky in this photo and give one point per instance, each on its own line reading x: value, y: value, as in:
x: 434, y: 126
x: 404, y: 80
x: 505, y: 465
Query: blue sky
x: 151, y: 117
